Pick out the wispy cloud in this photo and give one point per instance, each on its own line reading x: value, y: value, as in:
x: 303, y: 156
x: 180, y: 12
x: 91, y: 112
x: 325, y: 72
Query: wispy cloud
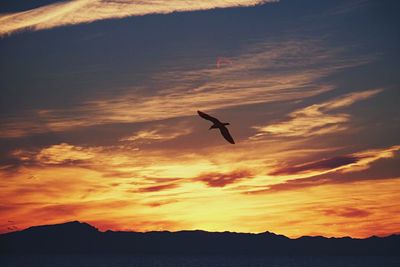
x: 347, y: 7
x: 316, y: 119
x: 65, y: 153
x: 348, y: 163
x: 325, y: 164
x: 158, y: 133
x: 263, y: 73
x: 109, y: 160
x: 366, y: 158
x: 86, y: 11
x: 329, y: 170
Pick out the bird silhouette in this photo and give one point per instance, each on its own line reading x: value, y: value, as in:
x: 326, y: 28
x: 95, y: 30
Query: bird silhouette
x: 218, y: 125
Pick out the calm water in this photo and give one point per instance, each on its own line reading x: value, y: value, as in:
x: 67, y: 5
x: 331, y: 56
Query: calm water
x: 192, y: 261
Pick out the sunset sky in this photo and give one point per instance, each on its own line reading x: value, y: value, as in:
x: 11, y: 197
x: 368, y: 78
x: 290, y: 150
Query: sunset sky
x: 98, y: 115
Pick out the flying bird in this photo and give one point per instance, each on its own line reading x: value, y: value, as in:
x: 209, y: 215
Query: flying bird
x: 218, y: 125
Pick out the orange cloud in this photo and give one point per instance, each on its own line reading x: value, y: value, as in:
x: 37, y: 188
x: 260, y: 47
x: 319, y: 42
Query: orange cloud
x: 206, y: 88
x: 65, y: 153
x: 159, y: 133
x: 315, y: 119
x: 352, y: 207
x: 327, y: 171
x: 223, y: 179
x: 325, y: 164
x: 366, y: 158
x: 86, y: 11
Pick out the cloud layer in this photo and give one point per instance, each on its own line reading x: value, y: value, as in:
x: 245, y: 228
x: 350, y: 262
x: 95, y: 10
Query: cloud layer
x: 262, y: 73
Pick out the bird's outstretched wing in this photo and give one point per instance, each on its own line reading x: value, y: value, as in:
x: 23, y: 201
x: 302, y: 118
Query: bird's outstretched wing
x: 208, y: 117
x: 225, y: 133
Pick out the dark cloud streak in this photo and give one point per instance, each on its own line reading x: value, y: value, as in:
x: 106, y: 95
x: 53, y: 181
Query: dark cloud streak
x: 221, y: 179
x: 325, y: 164
x: 347, y: 213
x: 157, y: 188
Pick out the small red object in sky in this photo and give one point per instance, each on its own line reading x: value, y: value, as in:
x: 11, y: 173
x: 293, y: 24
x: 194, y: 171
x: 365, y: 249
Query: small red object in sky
x: 223, y: 61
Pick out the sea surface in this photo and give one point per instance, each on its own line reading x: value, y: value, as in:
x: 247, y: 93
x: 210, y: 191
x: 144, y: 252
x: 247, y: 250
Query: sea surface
x: 191, y: 261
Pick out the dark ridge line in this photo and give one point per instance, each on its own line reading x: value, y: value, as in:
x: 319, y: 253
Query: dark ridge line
x: 78, y: 237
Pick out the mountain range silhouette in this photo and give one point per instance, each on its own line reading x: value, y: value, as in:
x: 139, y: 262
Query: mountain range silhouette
x: 77, y: 237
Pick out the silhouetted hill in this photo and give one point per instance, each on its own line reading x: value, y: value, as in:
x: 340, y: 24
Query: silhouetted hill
x: 76, y: 237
